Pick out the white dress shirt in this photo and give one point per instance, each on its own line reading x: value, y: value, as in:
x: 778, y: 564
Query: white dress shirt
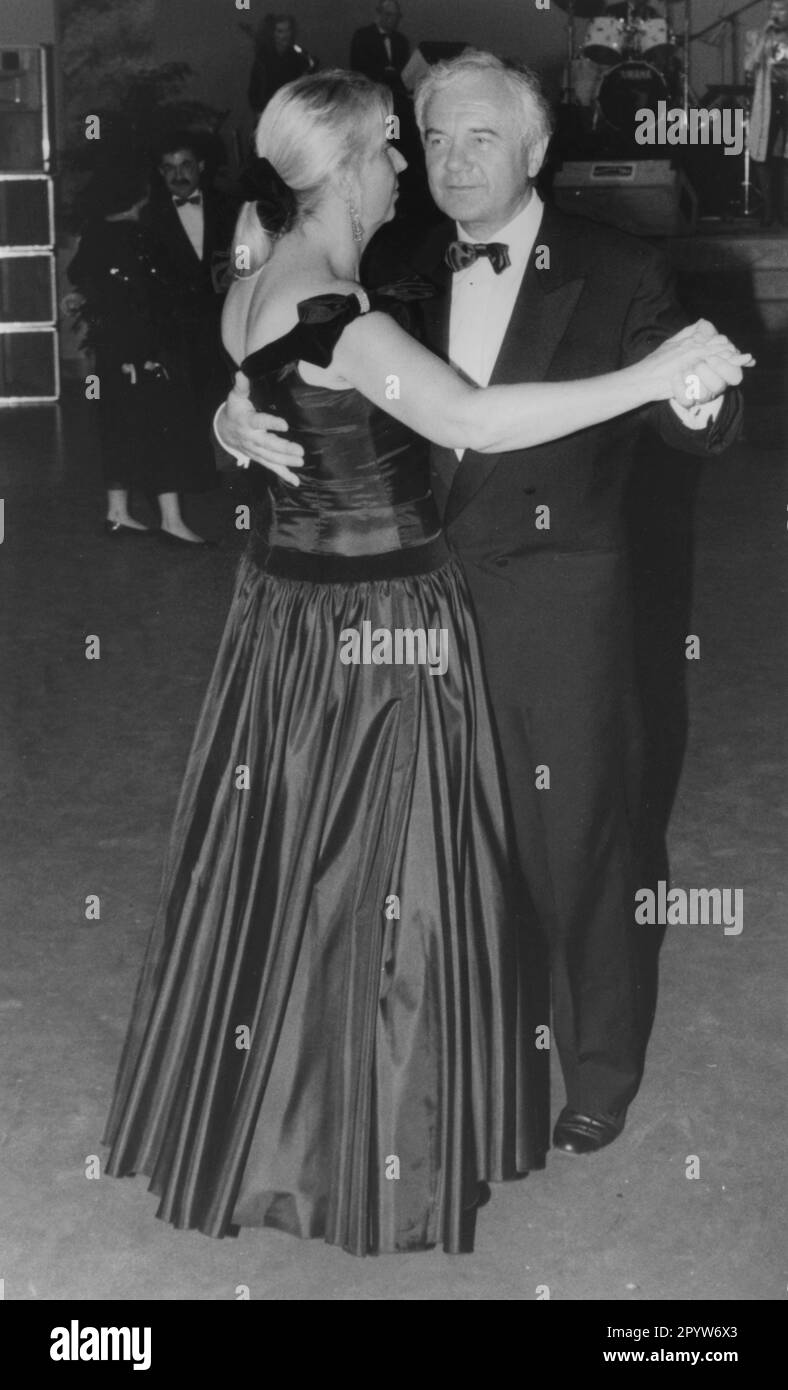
x: 192, y: 216
x: 482, y: 302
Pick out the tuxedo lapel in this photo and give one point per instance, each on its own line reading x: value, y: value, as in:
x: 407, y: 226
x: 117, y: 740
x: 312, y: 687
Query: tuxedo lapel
x: 435, y: 313
x: 210, y: 228
x: 170, y: 230
x: 430, y: 262
x: 540, y: 318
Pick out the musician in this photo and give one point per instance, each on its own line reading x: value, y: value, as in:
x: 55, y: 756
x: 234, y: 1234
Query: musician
x: 766, y: 66
x: 379, y: 50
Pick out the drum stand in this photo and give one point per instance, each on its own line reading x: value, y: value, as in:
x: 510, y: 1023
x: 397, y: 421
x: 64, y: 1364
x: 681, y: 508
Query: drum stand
x: 568, y: 94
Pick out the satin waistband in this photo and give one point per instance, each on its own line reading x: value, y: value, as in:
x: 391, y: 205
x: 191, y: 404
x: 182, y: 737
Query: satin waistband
x: 331, y: 568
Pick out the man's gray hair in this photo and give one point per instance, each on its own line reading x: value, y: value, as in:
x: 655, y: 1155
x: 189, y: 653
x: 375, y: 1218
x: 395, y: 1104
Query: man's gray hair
x: 529, y: 99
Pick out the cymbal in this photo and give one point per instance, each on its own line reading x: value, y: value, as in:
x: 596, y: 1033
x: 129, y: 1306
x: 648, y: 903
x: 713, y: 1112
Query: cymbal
x: 582, y: 9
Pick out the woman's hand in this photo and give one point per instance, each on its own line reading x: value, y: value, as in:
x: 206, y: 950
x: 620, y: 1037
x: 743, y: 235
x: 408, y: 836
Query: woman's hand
x: 242, y: 430
x: 694, y: 366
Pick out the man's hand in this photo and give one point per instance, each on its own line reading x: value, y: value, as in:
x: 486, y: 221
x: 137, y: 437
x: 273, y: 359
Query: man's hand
x: 708, y: 380
x: 710, y: 376
x: 243, y: 430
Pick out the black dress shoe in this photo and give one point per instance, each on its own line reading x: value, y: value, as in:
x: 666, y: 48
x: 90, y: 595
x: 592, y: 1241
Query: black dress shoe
x: 117, y: 528
x: 575, y: 1133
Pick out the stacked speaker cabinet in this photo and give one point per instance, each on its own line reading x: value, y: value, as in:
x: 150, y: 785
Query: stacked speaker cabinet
x: 29, y: 367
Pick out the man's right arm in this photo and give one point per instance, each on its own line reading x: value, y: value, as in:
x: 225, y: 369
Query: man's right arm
x: 246, y: 434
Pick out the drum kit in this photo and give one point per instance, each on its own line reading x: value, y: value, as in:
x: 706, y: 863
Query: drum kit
x: 632, y: 61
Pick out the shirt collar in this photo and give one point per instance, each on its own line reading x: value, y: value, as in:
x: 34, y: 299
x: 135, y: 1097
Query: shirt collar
x: 519, y: 234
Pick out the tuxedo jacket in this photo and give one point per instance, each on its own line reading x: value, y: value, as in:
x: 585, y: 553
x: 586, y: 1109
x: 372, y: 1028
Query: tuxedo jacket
x: 600, y: 301
x: 200, y: 308
x: 219, y: 213
x: 368, y: 53
x: 555, y: 616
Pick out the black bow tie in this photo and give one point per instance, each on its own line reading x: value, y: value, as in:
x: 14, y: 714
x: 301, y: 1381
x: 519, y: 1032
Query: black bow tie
x: 461, y: 254
x: 195, y: 199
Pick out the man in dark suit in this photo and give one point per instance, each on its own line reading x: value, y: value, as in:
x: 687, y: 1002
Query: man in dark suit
x: 378, y: 50
x: 533, y: 295
x: 194, y: 224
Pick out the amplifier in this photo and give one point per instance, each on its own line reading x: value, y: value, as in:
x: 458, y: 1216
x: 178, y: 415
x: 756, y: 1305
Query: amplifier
x: 648, y: 197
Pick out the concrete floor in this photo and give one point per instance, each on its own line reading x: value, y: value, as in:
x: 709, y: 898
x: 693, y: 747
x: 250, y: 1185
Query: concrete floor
x: 96, y: 753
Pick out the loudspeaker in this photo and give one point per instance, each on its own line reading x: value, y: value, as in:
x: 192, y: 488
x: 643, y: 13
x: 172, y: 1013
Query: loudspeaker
x: 646, y: 197
x: 27, y: 214
x: 24, y: 108
x: 29, y: 370
x: 27, y: 289
x: 29, y: 367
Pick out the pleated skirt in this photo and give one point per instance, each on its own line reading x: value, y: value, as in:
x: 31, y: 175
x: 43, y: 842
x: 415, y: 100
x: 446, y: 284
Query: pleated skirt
x: 335, y: 1028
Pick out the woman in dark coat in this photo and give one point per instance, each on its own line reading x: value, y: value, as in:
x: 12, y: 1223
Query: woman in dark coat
x: 128, y: 301
x: 278, y: 59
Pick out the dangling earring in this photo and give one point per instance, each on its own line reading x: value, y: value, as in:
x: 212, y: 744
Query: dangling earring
x: 356, y: 223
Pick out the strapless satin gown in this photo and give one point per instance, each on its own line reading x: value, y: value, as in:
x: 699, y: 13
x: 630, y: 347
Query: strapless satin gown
x: 334, y: 1032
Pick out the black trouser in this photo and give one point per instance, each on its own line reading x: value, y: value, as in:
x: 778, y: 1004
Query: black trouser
x: 557, y: 639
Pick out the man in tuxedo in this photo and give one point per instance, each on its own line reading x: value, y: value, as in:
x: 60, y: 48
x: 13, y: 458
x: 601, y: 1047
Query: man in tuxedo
x: 194, y: 224
x: 533, y: 295
x: 378, y: 50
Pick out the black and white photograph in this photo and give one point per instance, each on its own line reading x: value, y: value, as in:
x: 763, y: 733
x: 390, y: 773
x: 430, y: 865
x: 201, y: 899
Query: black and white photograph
x: 393, y: 420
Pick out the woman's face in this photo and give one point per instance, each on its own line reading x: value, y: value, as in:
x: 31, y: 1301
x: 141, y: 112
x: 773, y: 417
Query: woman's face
x: 283, y: 36
x: 379, y: 180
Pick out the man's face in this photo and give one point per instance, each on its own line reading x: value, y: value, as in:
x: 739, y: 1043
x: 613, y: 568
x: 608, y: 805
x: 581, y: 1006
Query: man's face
x: 181, y: 171
x: 283, y: 36
x: 389, y: 15
x: 478, y: 164
x: 778, y: 15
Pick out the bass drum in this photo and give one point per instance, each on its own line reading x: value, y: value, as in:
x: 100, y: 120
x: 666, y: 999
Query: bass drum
x: 605, y: 40
x: 653, y: 40
x: 627, y: 89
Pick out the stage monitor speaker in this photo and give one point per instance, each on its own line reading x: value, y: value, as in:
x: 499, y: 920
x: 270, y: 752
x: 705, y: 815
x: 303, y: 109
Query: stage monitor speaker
x: 27, y: 289
x: 27, y: 214
x: 645, y: 197
x: 29, y: 367
x: 25, y: 105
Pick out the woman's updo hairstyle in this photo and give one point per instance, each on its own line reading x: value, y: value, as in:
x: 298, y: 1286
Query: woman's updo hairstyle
x: 310, y: 130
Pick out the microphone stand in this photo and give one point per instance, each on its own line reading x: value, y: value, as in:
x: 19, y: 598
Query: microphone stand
x: 731, y: 19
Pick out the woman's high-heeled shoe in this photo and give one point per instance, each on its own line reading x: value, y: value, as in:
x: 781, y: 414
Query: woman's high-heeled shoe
x: 117, y: 528
x: 183, y: 544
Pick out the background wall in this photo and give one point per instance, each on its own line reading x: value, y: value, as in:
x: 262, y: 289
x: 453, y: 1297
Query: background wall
x: 209, y: 35
x: 27, y: 21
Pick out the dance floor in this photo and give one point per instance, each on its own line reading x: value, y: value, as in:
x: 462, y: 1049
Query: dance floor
x: 94, y: 754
